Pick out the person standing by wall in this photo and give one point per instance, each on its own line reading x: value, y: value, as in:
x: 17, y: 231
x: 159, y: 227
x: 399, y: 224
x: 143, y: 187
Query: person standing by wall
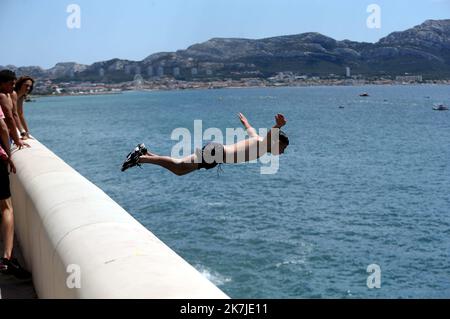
x: 8, y: 264
x: 24, y: 87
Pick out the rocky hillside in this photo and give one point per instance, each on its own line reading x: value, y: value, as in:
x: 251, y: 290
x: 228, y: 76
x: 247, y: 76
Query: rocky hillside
x: 424, y: 49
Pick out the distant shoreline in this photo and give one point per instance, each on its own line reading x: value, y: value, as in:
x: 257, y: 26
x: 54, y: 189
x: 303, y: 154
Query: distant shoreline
x: 238, y: 87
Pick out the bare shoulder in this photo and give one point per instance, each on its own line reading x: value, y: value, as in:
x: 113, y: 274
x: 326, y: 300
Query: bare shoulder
x: 5, y: 101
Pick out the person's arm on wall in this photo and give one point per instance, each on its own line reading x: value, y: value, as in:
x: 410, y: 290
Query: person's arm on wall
x: 15, y: 113
x: 9, y: 119
x: 22, y: 120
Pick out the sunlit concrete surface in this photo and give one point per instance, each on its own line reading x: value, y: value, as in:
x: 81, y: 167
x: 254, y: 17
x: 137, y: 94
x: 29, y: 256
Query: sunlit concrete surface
x: 79, y: 243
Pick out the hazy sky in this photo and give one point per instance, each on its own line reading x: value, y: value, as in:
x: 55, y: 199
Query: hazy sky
x: 134, y: 29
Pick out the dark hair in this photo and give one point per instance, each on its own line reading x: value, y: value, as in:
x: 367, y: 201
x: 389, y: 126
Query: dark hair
x: 21, y: 81
x: 284, y: 138
x: 7, y: 75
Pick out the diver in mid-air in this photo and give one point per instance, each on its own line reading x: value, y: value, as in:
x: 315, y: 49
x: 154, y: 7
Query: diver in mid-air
x: 213, y: 154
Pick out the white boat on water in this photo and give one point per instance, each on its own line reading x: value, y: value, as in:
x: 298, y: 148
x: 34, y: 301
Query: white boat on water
x: 440, y: 107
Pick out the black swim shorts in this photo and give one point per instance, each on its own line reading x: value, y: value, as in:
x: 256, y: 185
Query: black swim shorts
x: 209, y: 152
x: 5, y: 191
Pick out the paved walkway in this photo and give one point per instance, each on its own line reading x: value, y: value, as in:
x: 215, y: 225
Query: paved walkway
x: 12, y: 288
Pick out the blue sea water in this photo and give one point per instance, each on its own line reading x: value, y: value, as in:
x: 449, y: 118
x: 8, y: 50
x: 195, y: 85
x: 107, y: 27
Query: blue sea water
x: 366, y: 184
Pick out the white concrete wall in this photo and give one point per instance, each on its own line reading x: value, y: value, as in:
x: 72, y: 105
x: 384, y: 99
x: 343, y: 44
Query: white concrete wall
x: 62, y: 219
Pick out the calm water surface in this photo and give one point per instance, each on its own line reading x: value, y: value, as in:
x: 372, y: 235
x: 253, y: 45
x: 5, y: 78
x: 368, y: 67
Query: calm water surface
x: 367, y: 184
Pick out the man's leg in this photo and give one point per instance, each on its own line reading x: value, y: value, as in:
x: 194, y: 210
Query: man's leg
x: 7, y: 227
x: 177, y: 166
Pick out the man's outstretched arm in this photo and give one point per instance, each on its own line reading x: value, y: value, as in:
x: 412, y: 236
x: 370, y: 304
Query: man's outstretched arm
x: 250, y: 129
x: 280, y: 121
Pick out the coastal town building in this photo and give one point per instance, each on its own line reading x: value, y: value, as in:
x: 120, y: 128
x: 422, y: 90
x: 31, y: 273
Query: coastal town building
x: 409, y: 78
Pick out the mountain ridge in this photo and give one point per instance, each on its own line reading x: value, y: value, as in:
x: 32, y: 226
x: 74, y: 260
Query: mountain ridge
x: 423, y: 49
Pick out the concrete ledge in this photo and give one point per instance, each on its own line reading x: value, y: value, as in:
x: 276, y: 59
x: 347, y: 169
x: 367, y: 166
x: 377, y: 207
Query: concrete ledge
x: 62, y: 219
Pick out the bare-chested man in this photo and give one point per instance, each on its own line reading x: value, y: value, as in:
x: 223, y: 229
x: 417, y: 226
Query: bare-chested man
x: 8, y: 264
x: 214, y: 154
x: 7, y: 105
